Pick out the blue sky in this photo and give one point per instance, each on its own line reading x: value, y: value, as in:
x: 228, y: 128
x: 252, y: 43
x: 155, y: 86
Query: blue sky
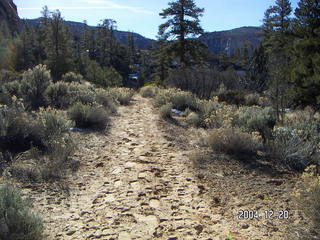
x: 142, y: 16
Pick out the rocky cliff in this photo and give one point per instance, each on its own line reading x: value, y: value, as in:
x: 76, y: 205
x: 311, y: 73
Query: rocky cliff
x: 9, y: 14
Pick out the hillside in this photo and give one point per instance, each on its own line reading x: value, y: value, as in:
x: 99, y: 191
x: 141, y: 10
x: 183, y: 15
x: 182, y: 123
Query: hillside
x: 121, y: 36
x: 218, y: 42
x: 228, y: 41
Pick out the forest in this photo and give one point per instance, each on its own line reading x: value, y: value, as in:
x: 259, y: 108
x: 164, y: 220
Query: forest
x: 245, y: 122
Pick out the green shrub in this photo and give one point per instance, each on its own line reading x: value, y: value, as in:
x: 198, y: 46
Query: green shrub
x: 13, y: 88
x: 8, y: 90
x: 52, y: 127
x: 113, y: 78
x: 18, y: 131
x: 81, y: 93
x: 34, y: 84
x: 17, y: 219
x: 232, y: 141
x: 121, y: 95
x: 89, y: 117
x: 183, y: 100
x: 180, y: 100
x: 165, y: 111
x: 72, y: 77
x: 294, y: 148
x: 58, y: 95
x: 255, y: 119
x: 45, y: 133
x: 102, y: 76
x: 149, y: 91
x: 8, y: 76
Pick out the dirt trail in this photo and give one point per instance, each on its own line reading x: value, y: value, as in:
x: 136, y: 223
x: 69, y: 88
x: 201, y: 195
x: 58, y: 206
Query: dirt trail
x: 132, y: 184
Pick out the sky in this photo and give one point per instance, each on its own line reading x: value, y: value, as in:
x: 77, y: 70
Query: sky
x: 142, y: 16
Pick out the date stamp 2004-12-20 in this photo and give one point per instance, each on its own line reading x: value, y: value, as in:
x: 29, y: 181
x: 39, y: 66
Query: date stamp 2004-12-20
x: 267, y: 214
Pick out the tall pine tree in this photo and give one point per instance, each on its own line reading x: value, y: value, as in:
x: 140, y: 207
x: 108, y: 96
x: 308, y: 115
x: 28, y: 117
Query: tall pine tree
x: 182, y: 24
x: 306, y: 54
x: 58, y: 46
x: 276, y: 28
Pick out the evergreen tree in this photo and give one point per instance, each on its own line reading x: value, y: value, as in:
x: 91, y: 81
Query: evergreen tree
x: 276, y: 27
x: 183, y: 22
x: 306, y: 54
x: 27, y: 49
x: 163, y: 61
x: 131, y: 49
x: 58, y: 46
x: 258, y: 72
x: 105, y: 41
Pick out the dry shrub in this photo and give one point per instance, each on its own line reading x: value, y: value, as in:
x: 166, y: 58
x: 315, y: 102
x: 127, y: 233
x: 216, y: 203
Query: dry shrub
x: 300, y: 116
x: 165, y: 111
x: 233, y: 142
x: 252, y: 99
x: 217, y: 115
x: 307, y: 196
x: 193, y: 119
x: 163, y: 97
x: 121, y: 95
x: 106, y: 101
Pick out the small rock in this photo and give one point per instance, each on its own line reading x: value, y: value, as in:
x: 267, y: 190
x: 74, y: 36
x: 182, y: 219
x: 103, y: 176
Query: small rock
x: 276, y: 182
x: 245, y: 226
x: 71, y: 232
x: 99, y: 165
x: 261, y: 196
x: 199, y: 229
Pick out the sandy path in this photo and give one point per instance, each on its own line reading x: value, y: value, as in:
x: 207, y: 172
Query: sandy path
x: 132, y: 184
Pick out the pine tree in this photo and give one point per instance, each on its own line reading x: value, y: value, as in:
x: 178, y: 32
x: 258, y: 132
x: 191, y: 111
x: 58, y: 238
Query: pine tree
x: 258, y: 72
x: 131, y: 49
x: 183, y: 22
x: 106, y: 41
x: 27, y: 51
x: 306, y: 54
x: 276, y: 27
x: 163, y: 61
x: 58, y: 46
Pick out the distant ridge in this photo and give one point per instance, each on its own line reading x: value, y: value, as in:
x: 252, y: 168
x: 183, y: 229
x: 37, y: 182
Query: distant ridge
x: 228, y: 41
x: 121, y: 36
x: 218, y: 42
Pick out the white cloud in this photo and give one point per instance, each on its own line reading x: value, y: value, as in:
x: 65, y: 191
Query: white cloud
x: 99, y: 4
x: 114, y: 5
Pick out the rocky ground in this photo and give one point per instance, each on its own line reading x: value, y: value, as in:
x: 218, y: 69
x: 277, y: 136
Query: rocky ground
x: 136, y: 182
